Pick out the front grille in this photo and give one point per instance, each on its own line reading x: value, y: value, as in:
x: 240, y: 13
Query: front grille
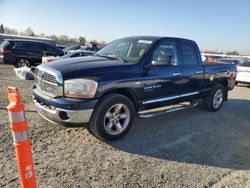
x: 48, y: 83
x: 49, y: 78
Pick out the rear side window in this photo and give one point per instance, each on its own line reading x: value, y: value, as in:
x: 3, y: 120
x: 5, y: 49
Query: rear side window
x: 245, y: 64
x: 32, y: 46
x: 22, y: 46
x: 188, y: 54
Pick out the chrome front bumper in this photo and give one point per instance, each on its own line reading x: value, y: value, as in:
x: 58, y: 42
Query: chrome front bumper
x: 63, y: 116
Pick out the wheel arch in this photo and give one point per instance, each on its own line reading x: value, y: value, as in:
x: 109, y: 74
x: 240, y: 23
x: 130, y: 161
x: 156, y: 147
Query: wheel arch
x: 224, y: 83
x: 123, y: 91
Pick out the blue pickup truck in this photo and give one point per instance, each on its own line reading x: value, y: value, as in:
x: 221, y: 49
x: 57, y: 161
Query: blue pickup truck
x: 134, y: 76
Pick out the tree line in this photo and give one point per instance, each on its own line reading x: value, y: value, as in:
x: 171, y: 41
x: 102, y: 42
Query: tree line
x: 62, y: 39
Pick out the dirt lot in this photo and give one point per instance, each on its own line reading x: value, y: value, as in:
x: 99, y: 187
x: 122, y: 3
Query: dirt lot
x: 191, y: 148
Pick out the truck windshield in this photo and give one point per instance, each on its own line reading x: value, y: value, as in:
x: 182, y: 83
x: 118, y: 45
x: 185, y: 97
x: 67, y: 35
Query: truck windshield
x: 128, y: 50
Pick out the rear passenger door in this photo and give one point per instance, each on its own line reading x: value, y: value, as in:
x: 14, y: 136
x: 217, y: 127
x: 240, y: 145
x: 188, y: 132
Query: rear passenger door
x: 192, y: 69
x: 38, y: 50
x: 30, y: 50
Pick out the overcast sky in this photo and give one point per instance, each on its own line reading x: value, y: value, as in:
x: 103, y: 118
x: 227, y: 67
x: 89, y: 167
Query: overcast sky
x: 222, y: 25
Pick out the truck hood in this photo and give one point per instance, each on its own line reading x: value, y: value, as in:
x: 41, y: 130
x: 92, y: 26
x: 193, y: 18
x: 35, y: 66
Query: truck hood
x: 82, y: 66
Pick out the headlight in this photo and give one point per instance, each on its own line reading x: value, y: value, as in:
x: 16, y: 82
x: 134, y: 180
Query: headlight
x: 80, y: 88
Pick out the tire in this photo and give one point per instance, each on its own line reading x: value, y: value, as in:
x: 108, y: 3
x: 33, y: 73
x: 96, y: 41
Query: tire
x: 21, y: 62
x: 214, y: 101
x: 110, y: 123
x: 236, y: 83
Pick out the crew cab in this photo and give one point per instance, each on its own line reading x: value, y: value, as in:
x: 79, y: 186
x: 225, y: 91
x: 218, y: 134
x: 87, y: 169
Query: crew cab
x: 135, y: 76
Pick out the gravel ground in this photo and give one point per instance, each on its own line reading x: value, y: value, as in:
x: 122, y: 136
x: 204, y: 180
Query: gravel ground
x: 191, y: 148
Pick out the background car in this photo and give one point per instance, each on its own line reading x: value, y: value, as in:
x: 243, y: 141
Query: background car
x: 231, y: 61
x: 26, y: 52
x: 70, y: 54
x: 61, y: 46
x: 243, y: 73
x: 72, y: 47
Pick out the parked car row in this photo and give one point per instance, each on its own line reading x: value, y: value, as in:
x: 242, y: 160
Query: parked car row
x: 230, y: 61
x: 19, y: 52
x: 23, y: 52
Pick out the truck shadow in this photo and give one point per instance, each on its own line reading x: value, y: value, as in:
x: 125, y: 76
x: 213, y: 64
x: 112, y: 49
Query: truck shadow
x: 194, y: 136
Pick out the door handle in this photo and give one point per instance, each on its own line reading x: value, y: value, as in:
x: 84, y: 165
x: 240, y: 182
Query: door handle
x: 176, y: 74
x: 199, y: 72
x: 29, y: 53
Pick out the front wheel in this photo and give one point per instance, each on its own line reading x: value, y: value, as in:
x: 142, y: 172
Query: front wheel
x: 215, y: 99
x: 113, y: 117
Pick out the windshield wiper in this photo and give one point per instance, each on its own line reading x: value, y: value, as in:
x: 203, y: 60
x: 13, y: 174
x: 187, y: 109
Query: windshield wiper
x: 111, y: 57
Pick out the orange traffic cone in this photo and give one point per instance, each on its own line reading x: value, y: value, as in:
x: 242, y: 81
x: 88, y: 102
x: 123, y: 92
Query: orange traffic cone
x: 19, y: 128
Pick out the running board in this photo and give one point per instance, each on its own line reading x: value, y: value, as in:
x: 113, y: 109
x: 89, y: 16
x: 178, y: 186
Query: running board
x: 144, y: 114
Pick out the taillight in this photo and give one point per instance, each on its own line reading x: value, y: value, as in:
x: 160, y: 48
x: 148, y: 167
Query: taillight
x: 5, y: 51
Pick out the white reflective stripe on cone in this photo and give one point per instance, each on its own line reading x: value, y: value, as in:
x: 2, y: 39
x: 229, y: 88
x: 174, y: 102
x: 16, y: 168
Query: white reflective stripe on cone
x: 17, y: 116
x: 20, y: 136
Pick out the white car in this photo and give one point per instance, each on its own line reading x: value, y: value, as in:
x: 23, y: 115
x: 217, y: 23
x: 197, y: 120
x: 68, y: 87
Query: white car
x: 243, y: 73
x: 70, y: 54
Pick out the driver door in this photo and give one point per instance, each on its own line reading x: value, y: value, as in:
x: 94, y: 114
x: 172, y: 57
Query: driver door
x: 162, y: 84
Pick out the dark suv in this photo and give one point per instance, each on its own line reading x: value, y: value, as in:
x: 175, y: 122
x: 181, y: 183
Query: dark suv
x: 26, y: 52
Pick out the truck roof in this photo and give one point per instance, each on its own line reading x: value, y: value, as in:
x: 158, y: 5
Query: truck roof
x: 155, y: 38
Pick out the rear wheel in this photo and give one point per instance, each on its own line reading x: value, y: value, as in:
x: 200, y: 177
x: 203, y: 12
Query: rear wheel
x: 113, y: 117
x: 22, y: 62
x: 215, y: 99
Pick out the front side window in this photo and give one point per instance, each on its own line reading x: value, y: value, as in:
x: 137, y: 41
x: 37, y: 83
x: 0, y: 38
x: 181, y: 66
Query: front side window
x: 50, y: 49
x: 166, y: 49
x: 188, y: 54
x: 129, y: 49
x: 38, y: 47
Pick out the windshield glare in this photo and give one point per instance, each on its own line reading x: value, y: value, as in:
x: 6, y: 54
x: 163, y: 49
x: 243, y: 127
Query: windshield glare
x: 129, y: 50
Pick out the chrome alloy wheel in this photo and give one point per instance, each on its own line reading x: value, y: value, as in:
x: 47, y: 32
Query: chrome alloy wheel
x: 117, y: 119
x: 218, y: 98
x: 23, y: 63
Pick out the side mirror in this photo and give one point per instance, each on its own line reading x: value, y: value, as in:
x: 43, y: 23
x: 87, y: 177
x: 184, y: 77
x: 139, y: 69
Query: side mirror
x: 163, y: 60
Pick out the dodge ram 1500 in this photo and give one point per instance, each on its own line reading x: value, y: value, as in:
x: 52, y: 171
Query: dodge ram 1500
x: 129, y: 77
